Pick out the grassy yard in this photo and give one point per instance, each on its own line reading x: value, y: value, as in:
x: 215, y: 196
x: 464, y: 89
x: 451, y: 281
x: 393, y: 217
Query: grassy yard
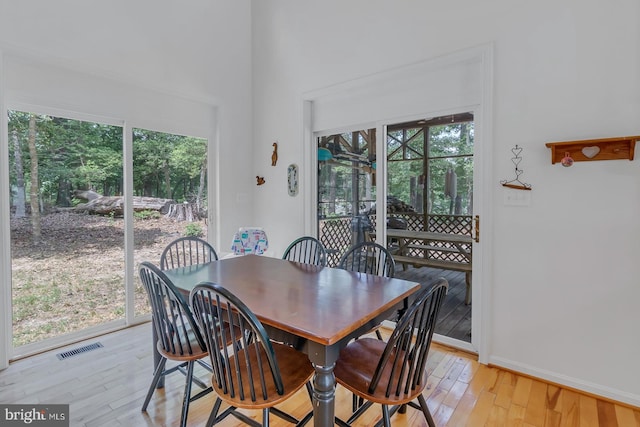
x: 73, y: 278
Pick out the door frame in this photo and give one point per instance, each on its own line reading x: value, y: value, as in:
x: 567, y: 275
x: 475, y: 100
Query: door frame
x: 5, y: 243
x: 320, y: 118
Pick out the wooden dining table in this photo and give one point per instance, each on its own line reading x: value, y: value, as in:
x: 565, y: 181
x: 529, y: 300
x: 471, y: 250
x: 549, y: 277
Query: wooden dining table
x: 316, y: 309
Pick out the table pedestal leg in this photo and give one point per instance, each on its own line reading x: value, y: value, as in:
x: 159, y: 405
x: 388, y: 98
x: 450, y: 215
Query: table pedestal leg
x: 324, y: 396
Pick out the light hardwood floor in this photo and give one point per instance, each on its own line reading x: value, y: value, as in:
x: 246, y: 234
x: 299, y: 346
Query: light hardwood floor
x: 454, y: 319
x: 106, y: 387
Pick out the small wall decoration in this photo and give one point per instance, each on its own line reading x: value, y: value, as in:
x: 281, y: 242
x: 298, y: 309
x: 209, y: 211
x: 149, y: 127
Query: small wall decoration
x: 516, y: 183
x: 274, y: 155
x: 567, y: 160
x: 292, y: 179
x: 260, y: 180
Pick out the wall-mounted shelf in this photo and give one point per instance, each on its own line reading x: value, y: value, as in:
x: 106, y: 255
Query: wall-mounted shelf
x: 594, y: 149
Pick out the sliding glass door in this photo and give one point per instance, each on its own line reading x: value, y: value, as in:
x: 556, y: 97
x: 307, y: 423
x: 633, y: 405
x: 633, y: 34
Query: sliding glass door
x: 169, y: 196
x: 430, y: 170
x: 67, y: 259
x: 68, y: 221
x: 429, y: 191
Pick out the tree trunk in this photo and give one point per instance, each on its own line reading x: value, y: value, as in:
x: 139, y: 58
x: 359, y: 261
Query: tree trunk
x: 167, y: 179
x: 182, y: 212
x: 203, y: 174
x: 114, y: 205
x: 20, y: 199
x: 87, y: 195
x: 148, y: 188
x: 64, y: 193
x: 35, y: 206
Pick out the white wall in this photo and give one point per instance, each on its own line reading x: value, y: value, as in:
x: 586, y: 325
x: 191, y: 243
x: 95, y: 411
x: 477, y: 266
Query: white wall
x: 564, y: 288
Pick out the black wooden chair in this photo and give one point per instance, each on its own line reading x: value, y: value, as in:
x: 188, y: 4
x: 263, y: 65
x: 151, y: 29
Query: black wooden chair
x: 255, y: 373
x: 186, y: 251
x: 178, y: 336
x: 306, y: 250
x: 369, y: 257
x: 394, y: 373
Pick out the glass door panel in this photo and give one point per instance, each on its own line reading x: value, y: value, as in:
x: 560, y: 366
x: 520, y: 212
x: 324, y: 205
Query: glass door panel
x: 67, y: 259
x: 429, y: 190
x: 346, y: 190
x: 170, y: 196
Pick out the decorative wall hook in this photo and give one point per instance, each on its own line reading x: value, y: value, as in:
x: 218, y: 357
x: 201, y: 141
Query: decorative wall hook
x: 516, y: 183
x: 567, y: 160
x: 260, y: 180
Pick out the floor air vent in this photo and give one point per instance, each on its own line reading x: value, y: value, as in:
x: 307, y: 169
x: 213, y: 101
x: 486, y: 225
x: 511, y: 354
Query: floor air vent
x: 79, y: 350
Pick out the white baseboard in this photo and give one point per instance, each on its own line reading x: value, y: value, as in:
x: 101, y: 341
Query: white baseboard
x: 564, y: 380
x: 532, y: 371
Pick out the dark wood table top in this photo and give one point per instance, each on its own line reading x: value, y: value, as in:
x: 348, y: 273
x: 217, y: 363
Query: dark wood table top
x: 320, y: 304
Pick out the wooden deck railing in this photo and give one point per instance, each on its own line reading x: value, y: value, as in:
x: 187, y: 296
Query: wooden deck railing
x: 337, y: 234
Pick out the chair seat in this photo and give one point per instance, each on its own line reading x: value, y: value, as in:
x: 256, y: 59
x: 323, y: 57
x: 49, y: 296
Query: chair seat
x: 356, y: 366
x: 197, y: 352
x: 298, y: 371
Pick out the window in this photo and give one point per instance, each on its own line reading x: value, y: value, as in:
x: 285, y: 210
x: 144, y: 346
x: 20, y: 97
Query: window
x: 430, y: 164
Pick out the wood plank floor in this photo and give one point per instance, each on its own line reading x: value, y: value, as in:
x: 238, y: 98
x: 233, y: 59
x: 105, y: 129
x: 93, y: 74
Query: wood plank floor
x: 106, y: 387
x: 454, y: 320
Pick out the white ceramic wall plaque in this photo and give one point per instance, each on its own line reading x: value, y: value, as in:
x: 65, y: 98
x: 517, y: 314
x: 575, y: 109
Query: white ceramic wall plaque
x: 292, y: 179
